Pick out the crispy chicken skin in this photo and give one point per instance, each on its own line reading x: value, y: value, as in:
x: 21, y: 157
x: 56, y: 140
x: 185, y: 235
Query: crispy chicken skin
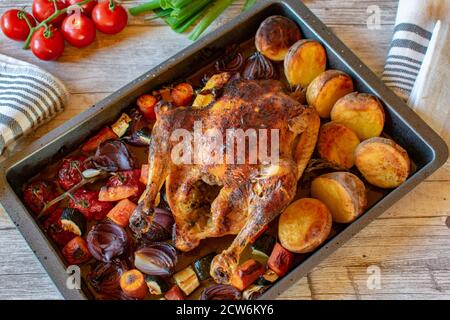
x: 213, y: 200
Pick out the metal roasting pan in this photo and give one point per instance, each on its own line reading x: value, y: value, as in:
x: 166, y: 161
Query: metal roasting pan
x: 427, y: 150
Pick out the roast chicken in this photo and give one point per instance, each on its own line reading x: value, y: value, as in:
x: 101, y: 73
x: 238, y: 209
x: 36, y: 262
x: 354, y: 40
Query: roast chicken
x: 210, y: 199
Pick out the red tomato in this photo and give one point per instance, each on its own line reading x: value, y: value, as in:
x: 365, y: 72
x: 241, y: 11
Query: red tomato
x: 78, y: 30
x: 42, y: 9
x: 87, y: 203
x: 70, y: 171
x: 87, y: 8
x: 109, y: 20
x: 38, y: 193
x: 14, y: 25
x: 128, y: 178
x: 47, y: 44
x: 125, y: 178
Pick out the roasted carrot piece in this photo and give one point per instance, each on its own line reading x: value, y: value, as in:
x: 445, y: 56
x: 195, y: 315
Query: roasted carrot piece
x: 76, y: 251
x: 144, y: 174
x: 182, y: 94
x: 117, y: 193
x: 280, y: 260
x: 246, y: 274
x: 122, y: 212
x: 146, y: 104
x: 104, y: 135
x: 133, y: 284
x: 174, y: 293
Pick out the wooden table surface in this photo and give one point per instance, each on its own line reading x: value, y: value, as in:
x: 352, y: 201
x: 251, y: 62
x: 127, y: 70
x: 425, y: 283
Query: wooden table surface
x: 410, y: 243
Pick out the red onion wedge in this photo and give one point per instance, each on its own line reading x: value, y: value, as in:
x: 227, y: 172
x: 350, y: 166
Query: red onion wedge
x: 107, y: 240
x: 157, y: 259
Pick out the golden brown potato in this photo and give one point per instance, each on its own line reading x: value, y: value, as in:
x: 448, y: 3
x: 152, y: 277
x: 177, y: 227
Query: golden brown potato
x: 337, y: 144
x: 382, y: 162
x: 305, y: 60
x: 304, y: 225
x: 343, y: 193
x: 326, y: 89
x: 275, y: 36
x: 361, y: 112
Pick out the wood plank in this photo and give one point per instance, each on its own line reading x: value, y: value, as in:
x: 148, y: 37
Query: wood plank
x: 329, y: 11
x: 37, y: 286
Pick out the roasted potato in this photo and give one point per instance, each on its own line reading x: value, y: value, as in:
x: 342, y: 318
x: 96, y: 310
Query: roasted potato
x: 337, y: 144
x: 326, y: 89
x: 304, y: 225
x: 275, y: 36
x: 361, y: 112
x: 305, y: 60
x: 382, y: 162
x: 343, y: 193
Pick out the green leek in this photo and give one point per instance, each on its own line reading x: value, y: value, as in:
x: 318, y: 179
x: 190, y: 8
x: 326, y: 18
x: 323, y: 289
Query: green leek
x: 213, y: 12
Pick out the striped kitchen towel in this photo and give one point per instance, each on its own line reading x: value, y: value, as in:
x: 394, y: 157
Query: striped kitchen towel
x: 415, y: 22
x: 418, y: 64
x: 29, y: 96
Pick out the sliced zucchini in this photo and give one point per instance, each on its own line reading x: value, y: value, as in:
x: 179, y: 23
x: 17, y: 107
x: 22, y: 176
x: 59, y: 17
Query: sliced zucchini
x: 263, y: 246
x: 254, y: 292
x: 187, y: 280
x: 203, y: 266
x: 121, y: 125
x: 73, y: 221
x: 156, y: 285
x: 268, y: 278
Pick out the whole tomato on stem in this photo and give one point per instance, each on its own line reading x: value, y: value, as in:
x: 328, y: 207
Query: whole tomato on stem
x: 16, y: 24
x: 44, y: 9
x: 78, y: 30
x: 47, y: 43
x: 110, y: 17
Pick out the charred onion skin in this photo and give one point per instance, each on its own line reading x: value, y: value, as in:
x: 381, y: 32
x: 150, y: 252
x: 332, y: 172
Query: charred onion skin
x: 232, y: 61
x: 221, y: 292
x: 112, y: 156
x: 105, y: 278
x: 162, y: 226
x: 258, y: 67
x: 107, y: 240
x: 275, y: 36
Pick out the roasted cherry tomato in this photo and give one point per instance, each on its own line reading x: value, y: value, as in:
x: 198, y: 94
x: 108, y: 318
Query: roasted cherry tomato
x: 109, y: 19
x: 54, y: 228
x: 47, y: 44
x: 87, y: 7
x: 38, y: 193
x: 78, y: 30
x: 14, y: 25
x: 87, y: 203
x: 42, y: 9
x: 182, y: 94
x: 70, y: 171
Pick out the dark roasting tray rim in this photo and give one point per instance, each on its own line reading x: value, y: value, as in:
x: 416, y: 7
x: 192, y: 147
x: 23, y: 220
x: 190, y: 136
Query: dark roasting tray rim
x: 437, y: 151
